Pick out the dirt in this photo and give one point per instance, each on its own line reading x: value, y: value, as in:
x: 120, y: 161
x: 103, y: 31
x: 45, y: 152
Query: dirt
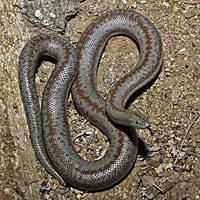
x: 172, y: 169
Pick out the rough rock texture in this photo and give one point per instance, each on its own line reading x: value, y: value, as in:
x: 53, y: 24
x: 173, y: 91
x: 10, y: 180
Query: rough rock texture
x: 172, y: 104
x: 51, y: 14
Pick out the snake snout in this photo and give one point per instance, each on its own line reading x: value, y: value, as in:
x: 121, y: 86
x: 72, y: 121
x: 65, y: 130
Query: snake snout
x: 140, y: 123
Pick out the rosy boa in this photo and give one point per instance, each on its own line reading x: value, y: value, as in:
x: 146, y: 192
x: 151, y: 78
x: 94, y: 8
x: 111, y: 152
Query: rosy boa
x: 49, y: 128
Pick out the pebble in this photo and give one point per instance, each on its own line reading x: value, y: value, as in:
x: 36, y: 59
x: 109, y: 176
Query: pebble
x: 176, y: 93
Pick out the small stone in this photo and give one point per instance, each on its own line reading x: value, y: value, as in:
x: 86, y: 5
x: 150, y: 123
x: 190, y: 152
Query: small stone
x: 155, y: 148
x: 154, y: 163
x: 150, y: 196
x: 79, y: 196
x: 159, y: 169
x: 124, y: 1
x: 192, y: 13
x: 181, y: 155
x: 140, y: 173
x: 124, y: 195
x: 176, y: 92
x: 38, y: 14
x: 168, y: 165
x: 182, y: 50
x: 174, y: 152
x: 188, y: 165
x: 77, y: 147
x: 52, y: 15
x: 198, y: 138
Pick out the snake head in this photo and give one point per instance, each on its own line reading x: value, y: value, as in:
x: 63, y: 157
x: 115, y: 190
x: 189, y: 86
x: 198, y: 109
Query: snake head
x: 139, y: 121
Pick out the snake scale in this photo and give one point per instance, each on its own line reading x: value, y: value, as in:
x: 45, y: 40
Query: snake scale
x: 76, y: 70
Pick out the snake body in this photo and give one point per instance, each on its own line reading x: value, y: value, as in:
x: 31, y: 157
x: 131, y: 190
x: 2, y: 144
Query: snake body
x: 49, y: 128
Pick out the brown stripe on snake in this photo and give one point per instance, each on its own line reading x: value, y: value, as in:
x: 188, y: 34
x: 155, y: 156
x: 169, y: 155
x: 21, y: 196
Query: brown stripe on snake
x: 50, y: 134
x: 147, y: 68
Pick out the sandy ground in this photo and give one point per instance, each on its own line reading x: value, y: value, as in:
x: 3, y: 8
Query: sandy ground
x: 172, y: 171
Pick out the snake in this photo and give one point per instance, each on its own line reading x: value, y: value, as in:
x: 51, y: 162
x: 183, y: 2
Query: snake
x: 75, y: 71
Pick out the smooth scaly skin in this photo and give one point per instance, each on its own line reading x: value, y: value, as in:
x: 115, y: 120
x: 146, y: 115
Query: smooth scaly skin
x: 57, y: 140
x: 71, y: 167
x: 85, y: 93
x: 58, y: 48
x: 151, y: 53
